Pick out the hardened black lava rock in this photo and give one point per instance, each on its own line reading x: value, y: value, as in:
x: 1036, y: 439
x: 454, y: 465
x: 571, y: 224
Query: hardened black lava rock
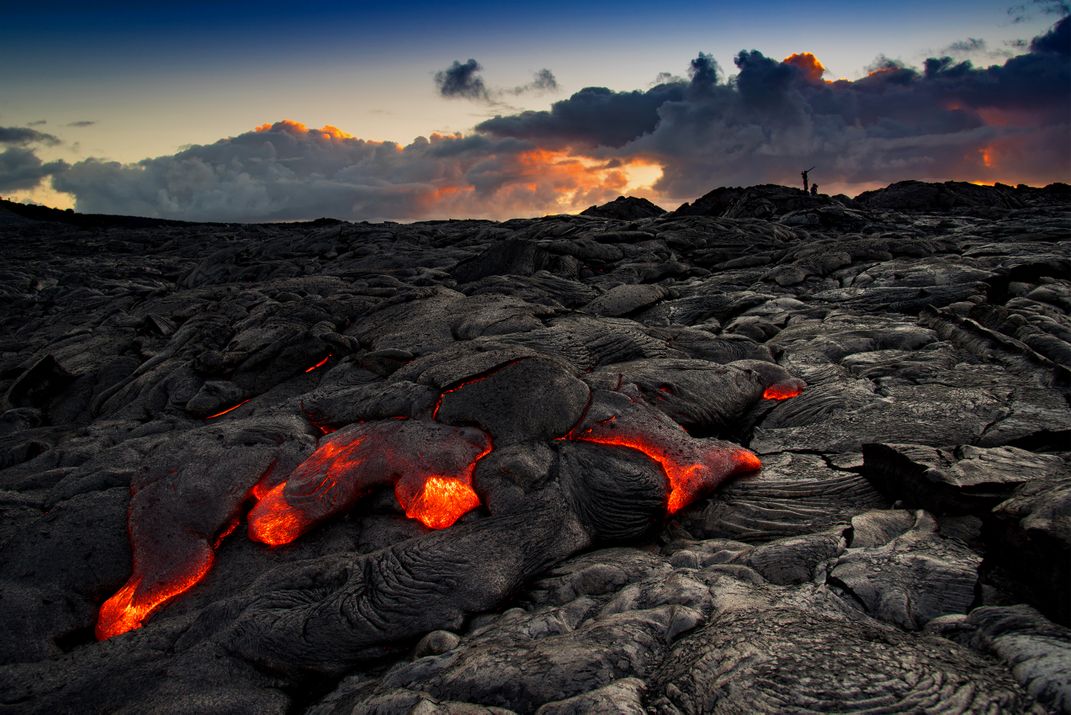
x: 586, y: 388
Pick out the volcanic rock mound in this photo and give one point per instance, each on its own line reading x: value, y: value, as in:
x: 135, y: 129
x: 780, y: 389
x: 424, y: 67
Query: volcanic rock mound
x: 768, y: 452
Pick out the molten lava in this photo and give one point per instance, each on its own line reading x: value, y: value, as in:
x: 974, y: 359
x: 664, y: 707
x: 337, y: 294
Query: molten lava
x: 430, y: 466
x: 276, y: 522
x: 169, y: 559
x: 781, y: 392
x: 687, y: 480
x: 441, y: 501
x: 229, y: 409
x: 229, y: 529
x: 319, y: 364
x: 469, y: 381
x: 692, y: 466
x: 136, y: 600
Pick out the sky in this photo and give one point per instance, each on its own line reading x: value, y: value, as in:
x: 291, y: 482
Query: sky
x: 287, y: 111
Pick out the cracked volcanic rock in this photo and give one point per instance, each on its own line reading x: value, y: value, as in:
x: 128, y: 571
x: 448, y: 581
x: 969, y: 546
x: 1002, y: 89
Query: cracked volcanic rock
x: 479, y: 467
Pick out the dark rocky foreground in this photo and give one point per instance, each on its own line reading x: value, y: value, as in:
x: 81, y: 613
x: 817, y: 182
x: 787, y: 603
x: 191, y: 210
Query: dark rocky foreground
x: 593, y: 381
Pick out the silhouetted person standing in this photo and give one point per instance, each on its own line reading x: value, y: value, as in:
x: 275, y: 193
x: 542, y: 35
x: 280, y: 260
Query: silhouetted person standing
x: 814, y: 189
x: 804, y: 174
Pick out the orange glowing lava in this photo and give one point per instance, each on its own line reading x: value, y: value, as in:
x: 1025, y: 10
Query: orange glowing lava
x: 469, y: 381
x: 431, y: 484
x: 134, y: 602
x: 781, y: 392
x: 440, y: 503
x: 319, y: 364
x: 229, y: 409
x: 276, y: 522
x: 229, y: 529
x: 687, y: 480
x: 436, y: 500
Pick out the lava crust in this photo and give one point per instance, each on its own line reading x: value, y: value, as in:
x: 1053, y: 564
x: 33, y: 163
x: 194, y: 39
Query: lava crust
x: 767, y: 452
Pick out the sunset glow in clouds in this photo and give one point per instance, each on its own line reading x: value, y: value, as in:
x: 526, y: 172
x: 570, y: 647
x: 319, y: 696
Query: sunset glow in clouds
x: 286, y: 171
x: 1004, y: 119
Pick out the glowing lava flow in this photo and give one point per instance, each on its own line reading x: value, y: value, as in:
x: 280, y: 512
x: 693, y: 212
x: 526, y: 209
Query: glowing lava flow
x: 430, y: 465
x: 274, y: 520
x: 170, y: 556
x: 319, y: 364
x: 135, y: 602
x: 229, y: 409
x: 152, y: 584
x: 441, y: 502
x: 469, y: 381
x: 781, y: 392
x: 276, y: 523
x: 437, y: 501
x: 686, y: 480
x: 692, y: 466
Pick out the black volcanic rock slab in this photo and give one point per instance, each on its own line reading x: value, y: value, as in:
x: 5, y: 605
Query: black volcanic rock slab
x: 777, y: 658
x: 1037, y: 651
x: 963, y: 480
x: 951, y: 195
x: 766, y: 201
x: 909, y: 580
x: 795, y: 494
x: 1030, y: 537
x: 523, y: 400
x: 625, y: 208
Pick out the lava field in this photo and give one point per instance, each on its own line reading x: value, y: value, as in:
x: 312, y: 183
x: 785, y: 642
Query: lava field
x: 768, y: 452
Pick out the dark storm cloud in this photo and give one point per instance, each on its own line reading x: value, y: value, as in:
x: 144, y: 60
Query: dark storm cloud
x: 286, y: 171
x: 776, y: 117
x: 963, y: 47
x: 543, y: 81
x: 882, y: 63
x: 82, y: 123
x: 462, y: 79
x: 1056, y: 42
x: 704, y: 72
x: 1024, y: 11
x: 594, y: 116
x: 666, y: 78
x: 22, y: 169
x: 23, y: 136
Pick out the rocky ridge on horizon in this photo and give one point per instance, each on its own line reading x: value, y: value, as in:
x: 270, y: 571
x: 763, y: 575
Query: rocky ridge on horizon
x: 905, y: 547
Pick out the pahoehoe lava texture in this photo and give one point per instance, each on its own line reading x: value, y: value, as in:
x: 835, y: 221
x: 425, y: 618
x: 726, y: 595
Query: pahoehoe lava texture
x: 469, y: 466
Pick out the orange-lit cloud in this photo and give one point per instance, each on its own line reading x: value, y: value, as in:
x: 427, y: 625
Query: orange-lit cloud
x: 811, y: 67
x: 670, y: 143
x: 540, y: 181
x: 284, y: 124
x: 286, y: 170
